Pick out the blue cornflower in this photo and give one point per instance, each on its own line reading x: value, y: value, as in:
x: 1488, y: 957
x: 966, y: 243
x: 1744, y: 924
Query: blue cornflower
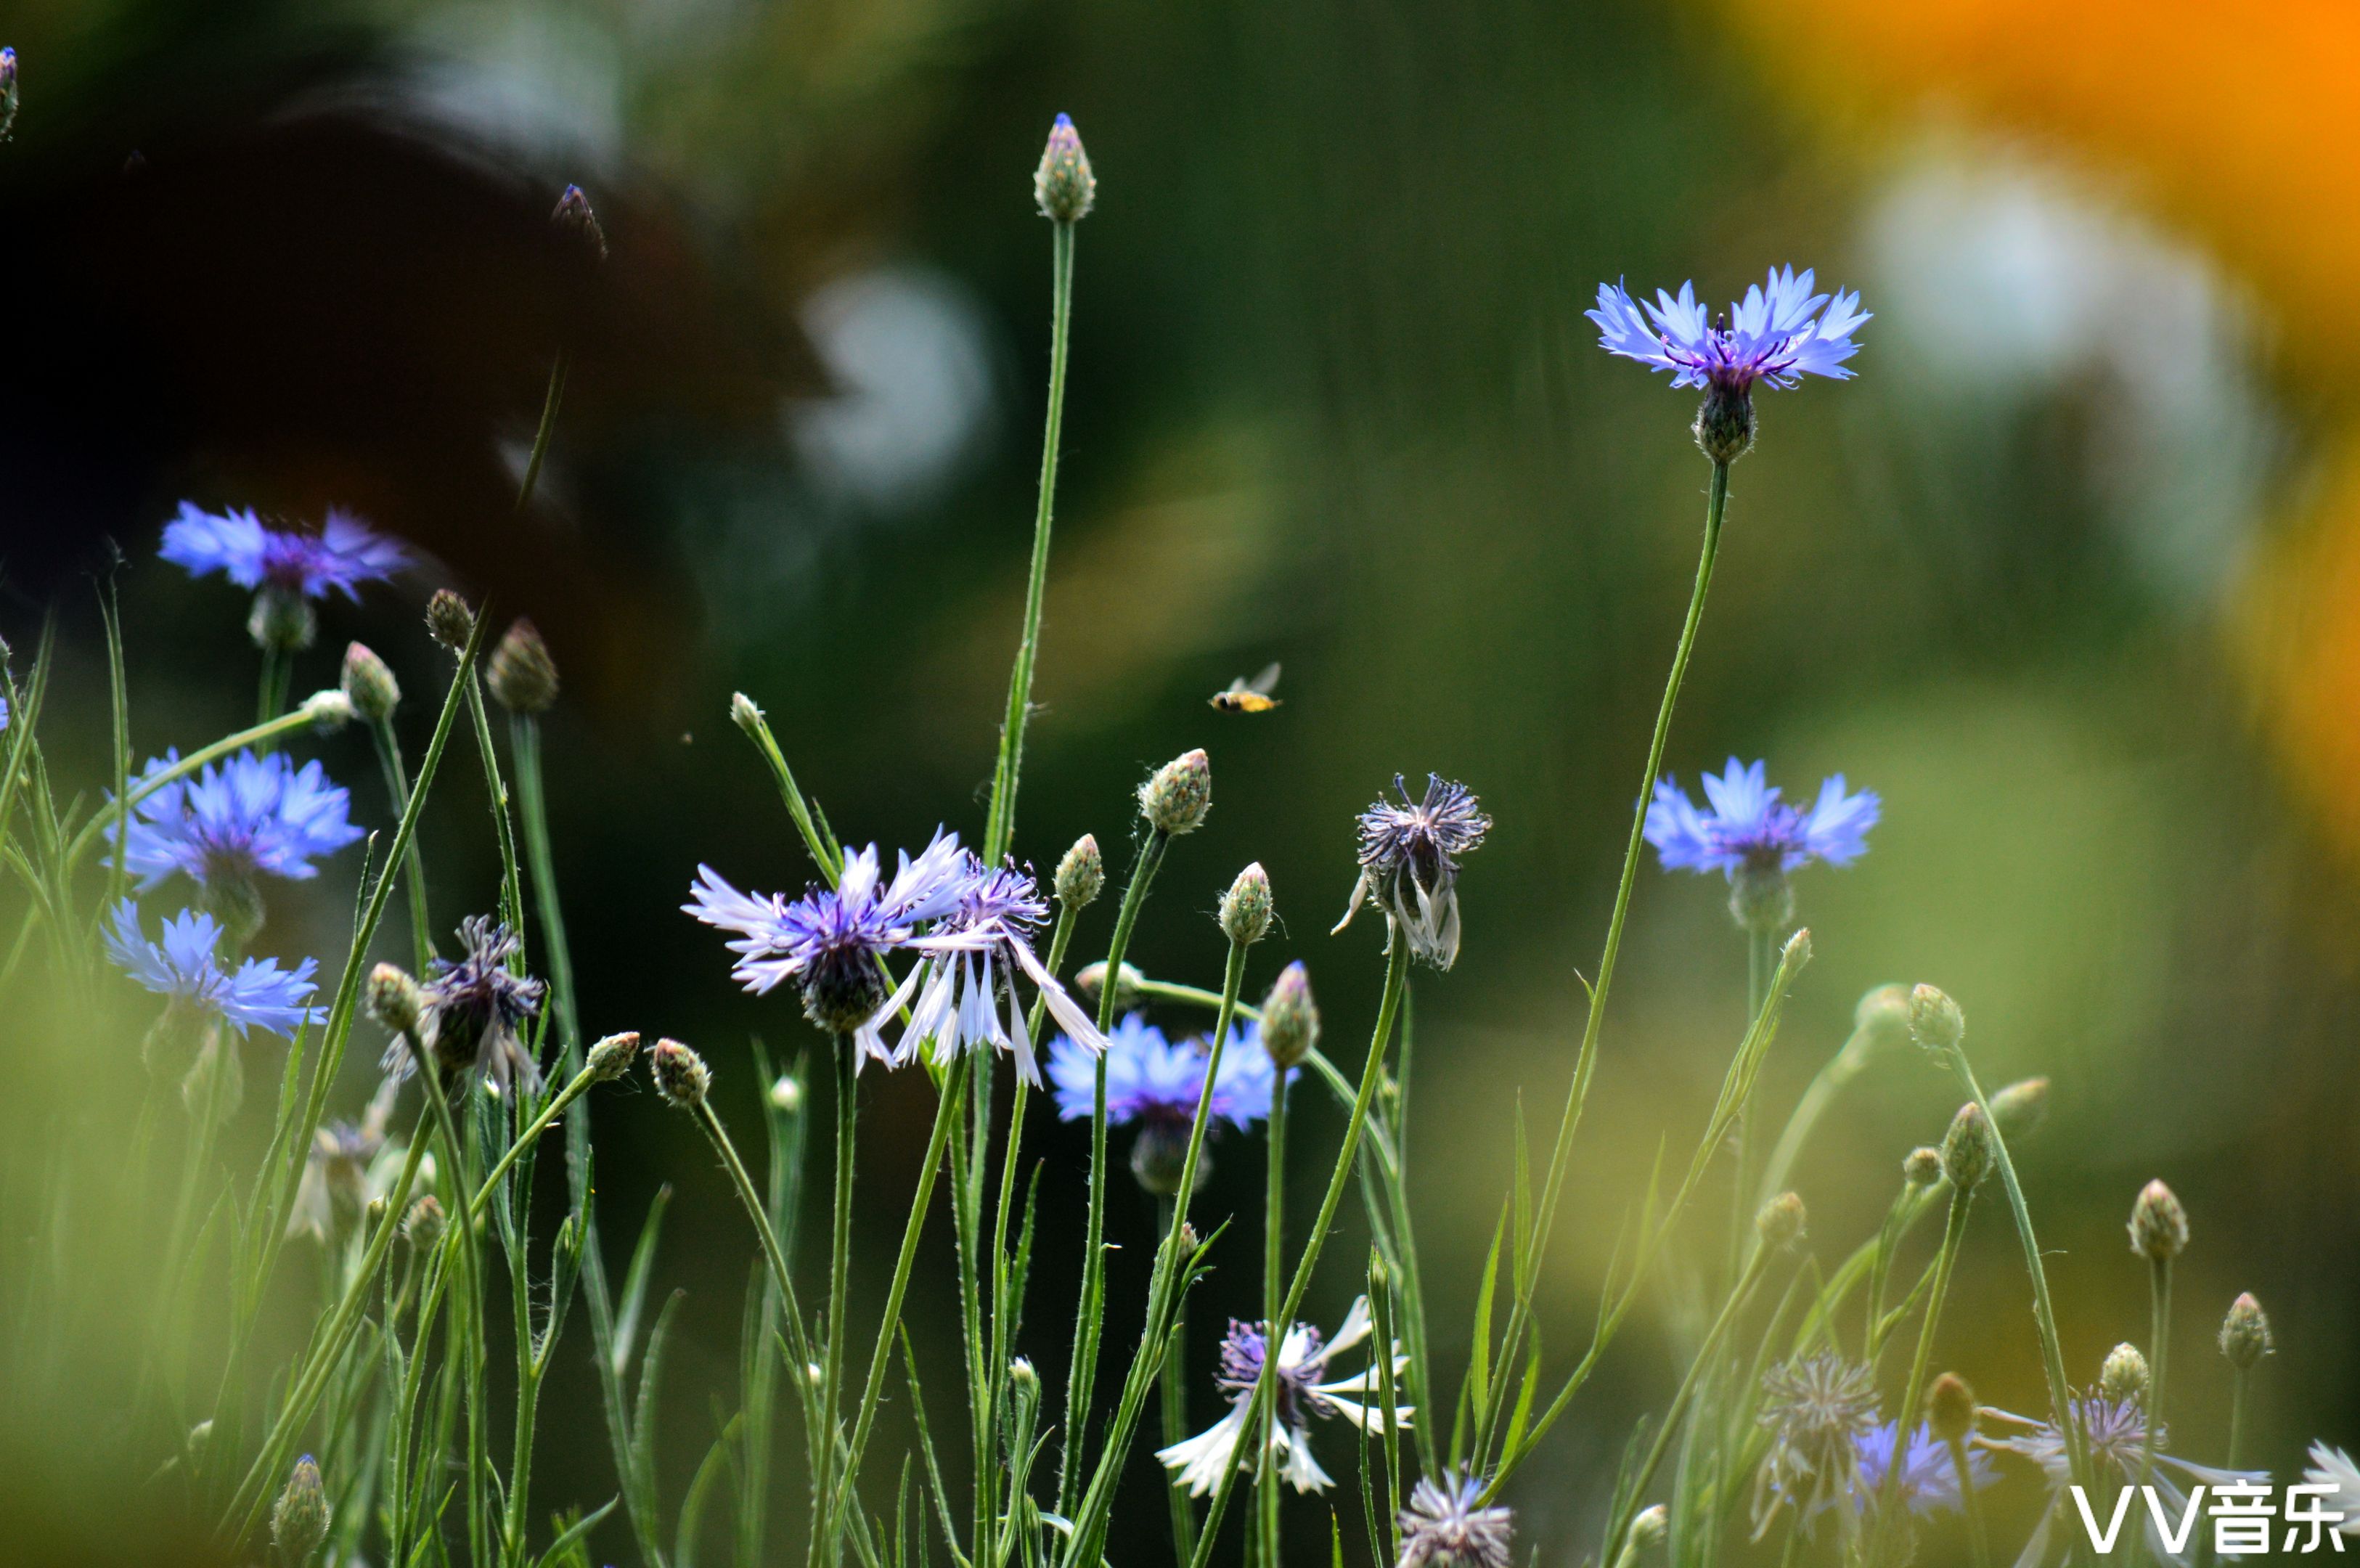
x: 1778, y: 334
x: 250, y: 815
x: 1930, y: 1479
x: 829, y: 940
x: 185, y: 967
x: 1755, y: 839
x: 2113, y: 1435
x: 973, y: 956
x: 1409, y: 863
x: 344, y: 554
x: 1156, y: 1084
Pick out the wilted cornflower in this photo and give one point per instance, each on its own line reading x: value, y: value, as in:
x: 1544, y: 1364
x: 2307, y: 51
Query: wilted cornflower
x: 247, y: 817
x: 972, y: 956
x: 336, y: 1168
x: 474, y: 1010
x: 287, y: 568
x: 2114, y: 1431
x: 1156, y: 1084
x: 1757, y: 840
x: 186, y: 968
x: 1819, y: 1411
x: 1929, y: 1479
x: 1409, y: 863
x: 1445, y: 1527
x: 829, y: 940
x: 1302, y: 1360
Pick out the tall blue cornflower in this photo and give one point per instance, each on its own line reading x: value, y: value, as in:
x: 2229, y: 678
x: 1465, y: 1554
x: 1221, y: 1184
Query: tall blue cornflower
x: 1779, y: 333
x: 1409, y: 854
x: 247, y: 817
x: 1755, y: 839
x: 831, y: 940
x: 1155, y: 1085
x: 286, y: 568
x: 1929, y: 1477
x: 972, y: 957
x: 185, y: 968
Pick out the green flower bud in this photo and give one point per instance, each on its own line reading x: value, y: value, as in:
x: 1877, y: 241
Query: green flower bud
x: 328, y: 711
x: 2124, y: 1376
x: 2159, y: 1225
x: 1883, y: 1015
x: 422, y: 1226
x: 282, y: 620
x: 681, y: 1075
x: 1966, y: 1149
x: 574, y: 217
x: 1762, y: 898
x: 1176, y: 797
x: 1081, y: 875
x: 450, y: 620
x: 394, y: 999
x: 1649, y: 1530
x: 1289, y: 1017
x: 1935, y: 1021
x: 298, y: 1521
x: 522, y: 676
x: 2245, y: 1333
x: 1950, y: 1409
x: 1126, y: 986
x: 2019, y: 1109
x: 744, y: 713
x: 1923, y: 1168
x: 1780, y: 1221
x: 1245, y: 908
x: 1064, y: 185
x: 611, y: 1057
x: 1160, y: 1153
x: 786, y: 1095
x: 370, y: 684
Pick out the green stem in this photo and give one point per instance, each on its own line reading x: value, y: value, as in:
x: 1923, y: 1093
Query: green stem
x: 277, y: 670
x: 524, y: 747
x: 540, y: 437
x: 1758, y: 965
x: 396, y: 789
x: 511, y: 871
x: 839, y: 1260
x: 259, y: 734
x: 1174, y: 1397
x: 1978, y: 1534
x: 999, y: 829
x: 1087, y: 1326
x: 1371, y: 1072
x: 1833, y: 1075
x: 1273, y: 1332
x: 2158, y: 1358
x: 2052, y: 1353
x: 1586, y: 1059
x: 1954, y: 1228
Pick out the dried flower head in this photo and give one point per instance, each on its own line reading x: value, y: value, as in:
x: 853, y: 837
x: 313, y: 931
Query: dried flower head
x: 476, y: 1008
x: 2159, y: 1225
x: 1446, y: 1524
x: 1409, y: 863
x: 1817, y: 1410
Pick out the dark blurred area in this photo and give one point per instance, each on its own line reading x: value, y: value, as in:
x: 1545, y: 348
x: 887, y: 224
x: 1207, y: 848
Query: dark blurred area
x: 2051, y: 576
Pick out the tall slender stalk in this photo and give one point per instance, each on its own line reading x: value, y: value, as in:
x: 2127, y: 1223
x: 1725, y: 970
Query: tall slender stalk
x: 1913, y: 1397
x: 1273, y: 1235
x: 1172, y: 1396
x: 1586, y: 1059
x: 1000, y: 827
x: 2158, y: 1360
x: 396, y: 789
x: 839, y: 1267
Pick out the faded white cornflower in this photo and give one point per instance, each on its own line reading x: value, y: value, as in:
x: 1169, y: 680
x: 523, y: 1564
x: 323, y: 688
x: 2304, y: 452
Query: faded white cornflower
x: 1302, y: 1360
x: 1409, y: 863
x: 2114, y: 1432
x: 1446, y: 1526
x: 1818, y: 1411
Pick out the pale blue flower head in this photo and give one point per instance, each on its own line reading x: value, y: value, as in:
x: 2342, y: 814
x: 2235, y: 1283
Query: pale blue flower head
x: 248, y: 816
x: 1779, y: 333
x: 1929, y: 1479
x: 344, y: 554
x: 1149, y: 1079
x: 1754, y: 838
x: 186, y: 968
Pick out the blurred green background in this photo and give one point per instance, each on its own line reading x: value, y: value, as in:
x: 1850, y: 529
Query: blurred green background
x: 1334, y: 403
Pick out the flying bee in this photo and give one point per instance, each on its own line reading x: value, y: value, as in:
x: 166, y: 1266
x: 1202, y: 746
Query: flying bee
x: 1253, y: 696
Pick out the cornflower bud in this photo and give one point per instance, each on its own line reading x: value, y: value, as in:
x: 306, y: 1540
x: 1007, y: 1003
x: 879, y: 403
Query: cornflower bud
x: 282, y: 619
x: 1950, y: 1408
x: 1923, y: 1168
x: 2124, y: 1376
x: 1966, y: 1149
x: 450, y: 620
x: 2019, y: 1109
x: 422, y: 1226
x: 611, y: 1057
x: 299, y: 1520
x: 1126, y: 986
x: 1883, y: 1015
x: 1289, y: 1017
x: 2245, y: 1333
x: 1081, y: 875
x: 1935, y: 1021
x: 370, y: 684
x: 1176, y: 797
x: 1798, y: 951
x: 1024, y: 1383
x: 744, y: 713
x: 1245, y: 908
x: 2159, y: 1225
x: 394, y: 999
x: 1649, y: 1528
x: 681, y: 1075
x: 574, y: 216
x: 522, y: 676
x: 1780, y: 1221
x: 329, y: 710
x: 786, y: 1095
x: 1725, y: 423
x: 1064, y: 185
x: 1159, y: 1158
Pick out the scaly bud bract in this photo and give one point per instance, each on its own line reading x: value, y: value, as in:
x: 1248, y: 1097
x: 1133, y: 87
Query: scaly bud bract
x: 1175, y: 799
x: 522, y: 676
x: 1883, y: 1015
x: 283, y: 620
x: 299, y: 1520
x: 1935, y: 1021
x: 2245, y: 1333
x: 1064, y: 185
x: 744, y: 713
x: 422, y: 1226
x: 1126, y: 984
x: 2019, y: 1109
x: 370, y: 684
x: 1780, y: 1221
x: 681, y: 1075
x: 1923, y: 1168
x: 1649, y: 1528
x: 2124, y: 1377
x: 1966, y: 1149
x: 1289, y: 1017
x: 1081, y: 875
x: 2159, y: 1225
x: 394, y: 999
x: 612, y: 1057
x: 329, y: 710
x: 450, y: 620
x: 1245, y: 908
